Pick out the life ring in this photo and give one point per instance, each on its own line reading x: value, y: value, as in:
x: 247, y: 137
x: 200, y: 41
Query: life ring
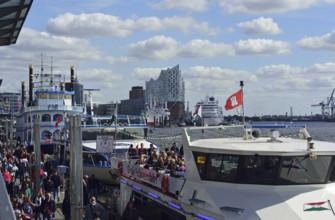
x: 165, y: 183
x: 120, y: 167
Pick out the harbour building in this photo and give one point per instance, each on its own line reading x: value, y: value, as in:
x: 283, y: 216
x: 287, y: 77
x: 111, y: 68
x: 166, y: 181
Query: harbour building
x: 168, y: 88
x: 135, y: 104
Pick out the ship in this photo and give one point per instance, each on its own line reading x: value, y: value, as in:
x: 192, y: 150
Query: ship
x: 157, y: 114
x: 234, y: 173
x: 50, y: 103
x: 208, y: 112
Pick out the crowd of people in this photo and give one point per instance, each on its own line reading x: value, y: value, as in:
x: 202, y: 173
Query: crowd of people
x: 170, y: 159
x: 19, y: 178
x: 15, y: 166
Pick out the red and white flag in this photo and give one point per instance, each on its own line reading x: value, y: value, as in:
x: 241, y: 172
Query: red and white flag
x: 234, y: 100
x: 59, y: 120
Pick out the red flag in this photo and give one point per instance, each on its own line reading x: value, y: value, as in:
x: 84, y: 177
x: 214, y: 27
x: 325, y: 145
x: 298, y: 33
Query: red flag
x: 59, y: 120
x: 234, y: 100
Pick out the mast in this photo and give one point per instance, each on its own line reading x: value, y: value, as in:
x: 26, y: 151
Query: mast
x: 243, y: 118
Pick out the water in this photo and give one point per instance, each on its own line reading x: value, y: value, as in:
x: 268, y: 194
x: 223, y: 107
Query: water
x: 165, y: 137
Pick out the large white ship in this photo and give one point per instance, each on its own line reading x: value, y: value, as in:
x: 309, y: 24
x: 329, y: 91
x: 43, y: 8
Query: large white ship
x: 235, y: 178
x: 211, y: 112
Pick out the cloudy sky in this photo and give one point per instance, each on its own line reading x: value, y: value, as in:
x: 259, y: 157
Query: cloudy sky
x: 284, y: 51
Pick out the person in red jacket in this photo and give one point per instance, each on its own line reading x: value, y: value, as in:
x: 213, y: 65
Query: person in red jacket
x: 7, y: 178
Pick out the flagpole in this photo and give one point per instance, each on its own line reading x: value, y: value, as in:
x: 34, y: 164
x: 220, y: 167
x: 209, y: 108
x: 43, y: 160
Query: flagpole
x: 243, y: 118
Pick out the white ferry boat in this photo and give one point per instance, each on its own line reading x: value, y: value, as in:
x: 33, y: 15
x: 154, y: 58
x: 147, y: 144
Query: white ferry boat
x: 211, y: 112
x: 245, y: 177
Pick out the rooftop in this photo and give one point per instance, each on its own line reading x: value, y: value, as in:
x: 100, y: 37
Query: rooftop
x: 13, y: 13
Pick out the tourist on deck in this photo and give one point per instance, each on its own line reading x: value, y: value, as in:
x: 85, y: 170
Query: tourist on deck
x: 48, y: 207
x: 174, y: 148
x: 181, y: 151
x: 92, y: 208
x: 141, y: 160
x: 132, y: 151
x: 151, y: 149
x: 142, y: 150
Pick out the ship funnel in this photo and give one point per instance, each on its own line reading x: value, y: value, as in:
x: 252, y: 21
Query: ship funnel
x: 22, y: 94
x: 31, y: 85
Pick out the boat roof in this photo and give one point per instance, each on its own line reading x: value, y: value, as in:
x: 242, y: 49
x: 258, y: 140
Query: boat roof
x: 280, y: 145
x: 261, y: 145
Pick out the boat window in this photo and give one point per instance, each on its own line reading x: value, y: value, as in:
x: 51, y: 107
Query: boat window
x: 265, y: 170
x: 46, y: 117
x: 56, y: 116
x: 87, y: 159
x: 258, y: 169
x: 200, y: 161
x: 302, y: 170
x: 222, y: 167
x: 46, y: 135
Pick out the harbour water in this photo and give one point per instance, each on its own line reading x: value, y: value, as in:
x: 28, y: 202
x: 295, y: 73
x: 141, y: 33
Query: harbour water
x: 324, y: 131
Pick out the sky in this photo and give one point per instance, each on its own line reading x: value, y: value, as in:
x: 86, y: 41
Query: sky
x: 283, y: 51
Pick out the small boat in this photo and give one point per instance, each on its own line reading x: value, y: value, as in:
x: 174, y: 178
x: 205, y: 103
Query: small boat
x: 211, y: 113
x: 242, y: 174
x: 157, y: 114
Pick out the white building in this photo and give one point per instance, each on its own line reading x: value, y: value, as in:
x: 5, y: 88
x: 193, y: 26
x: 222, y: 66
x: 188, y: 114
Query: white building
x: 168, y: 87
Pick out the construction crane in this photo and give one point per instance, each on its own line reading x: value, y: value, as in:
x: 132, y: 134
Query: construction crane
x: 327, y: 108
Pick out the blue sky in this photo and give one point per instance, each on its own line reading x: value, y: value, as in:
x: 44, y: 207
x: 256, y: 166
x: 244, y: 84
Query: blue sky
x: 282, y: 50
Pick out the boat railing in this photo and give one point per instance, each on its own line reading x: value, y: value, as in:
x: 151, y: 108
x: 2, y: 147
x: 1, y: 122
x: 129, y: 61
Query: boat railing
x: 158, y: 178
x: 54, y: 107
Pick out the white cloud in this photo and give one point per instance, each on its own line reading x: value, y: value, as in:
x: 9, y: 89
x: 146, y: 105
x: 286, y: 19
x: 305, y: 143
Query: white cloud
x: 145, y: 74
x: 193, y: 6
x: 260, y: 26
x: 268, y: 6
x: 205, y: 48
x: 324, y: 42
x: 157, y: 47
x: 102, y: 25
x: 262, y: 47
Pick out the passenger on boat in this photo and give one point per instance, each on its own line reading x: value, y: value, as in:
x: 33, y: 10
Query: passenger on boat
x: 132, y: 151
x: 174, y: 148
x: 160, y: 162
x: 142, y: 150
x: 141, y: 160
x: 151, y: 149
